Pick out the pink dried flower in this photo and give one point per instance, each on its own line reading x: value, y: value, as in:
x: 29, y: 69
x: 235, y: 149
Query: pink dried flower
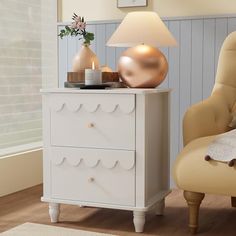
x: 81, y: 25
x: 77, y: 28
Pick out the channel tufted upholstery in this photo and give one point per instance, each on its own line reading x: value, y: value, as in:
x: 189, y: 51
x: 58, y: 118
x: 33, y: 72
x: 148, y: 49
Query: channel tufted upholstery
x: 202, y: 123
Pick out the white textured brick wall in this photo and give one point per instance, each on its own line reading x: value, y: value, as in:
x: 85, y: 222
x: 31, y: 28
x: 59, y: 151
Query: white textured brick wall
x: 27, y: 62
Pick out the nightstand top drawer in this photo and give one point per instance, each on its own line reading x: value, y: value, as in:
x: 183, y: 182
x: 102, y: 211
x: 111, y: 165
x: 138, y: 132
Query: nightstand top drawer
x: 93, y: 102
x: 95, y: 121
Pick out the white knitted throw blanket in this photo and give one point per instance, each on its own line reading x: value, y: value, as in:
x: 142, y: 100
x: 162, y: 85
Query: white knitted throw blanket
x: 223, y: 148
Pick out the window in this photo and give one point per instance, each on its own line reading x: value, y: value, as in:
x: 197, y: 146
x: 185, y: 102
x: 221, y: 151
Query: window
x: 28, y: 62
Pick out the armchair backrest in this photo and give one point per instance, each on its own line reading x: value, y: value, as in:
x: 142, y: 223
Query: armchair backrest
x: 213, y: 115
x: 225, y: 84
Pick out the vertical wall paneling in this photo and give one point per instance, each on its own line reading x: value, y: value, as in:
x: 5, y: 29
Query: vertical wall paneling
x: 79, y: 43
x: 174, y: 73
x: 92, y: 28
x: 197, y: 63
x: 71, y: 51
x: 192, y: 64
x: 101, y: 43
x: 231, y: 24
x: 119, y: 50
x: 62, y: 59
x: 185, y: 72
x: 220, y: 34
x: 111, y: 51
x: 208, y: 56
x: 165, y: 51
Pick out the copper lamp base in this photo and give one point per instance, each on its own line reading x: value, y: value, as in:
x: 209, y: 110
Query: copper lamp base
x: 142, y: 66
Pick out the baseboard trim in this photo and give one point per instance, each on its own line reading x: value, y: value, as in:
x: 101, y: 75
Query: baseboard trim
x: 20, y: 171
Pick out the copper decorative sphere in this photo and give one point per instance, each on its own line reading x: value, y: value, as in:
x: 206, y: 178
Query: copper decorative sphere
x: 142, y: 66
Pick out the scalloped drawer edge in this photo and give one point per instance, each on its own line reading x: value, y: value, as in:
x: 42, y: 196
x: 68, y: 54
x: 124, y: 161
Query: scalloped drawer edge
x: 93, y: 175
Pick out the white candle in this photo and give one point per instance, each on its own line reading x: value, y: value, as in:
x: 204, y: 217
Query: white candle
x: 93, y: 76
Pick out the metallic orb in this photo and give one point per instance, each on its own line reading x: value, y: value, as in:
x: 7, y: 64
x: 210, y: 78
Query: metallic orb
x: 142, y: 66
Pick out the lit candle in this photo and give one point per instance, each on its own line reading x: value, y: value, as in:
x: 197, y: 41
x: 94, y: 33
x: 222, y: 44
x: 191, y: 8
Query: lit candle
x: 93, y: 76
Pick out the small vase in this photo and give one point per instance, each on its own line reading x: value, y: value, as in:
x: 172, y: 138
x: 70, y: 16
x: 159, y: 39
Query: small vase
x: 84, y: 59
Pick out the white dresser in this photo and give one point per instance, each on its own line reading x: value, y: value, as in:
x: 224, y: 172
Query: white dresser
x: 106, y: 148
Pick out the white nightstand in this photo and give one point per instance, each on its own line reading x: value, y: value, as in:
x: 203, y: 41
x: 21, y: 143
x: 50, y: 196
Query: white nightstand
x: 106, y: 148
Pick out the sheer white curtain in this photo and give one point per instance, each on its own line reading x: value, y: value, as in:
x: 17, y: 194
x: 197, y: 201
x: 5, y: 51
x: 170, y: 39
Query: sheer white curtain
x: 28, y: 62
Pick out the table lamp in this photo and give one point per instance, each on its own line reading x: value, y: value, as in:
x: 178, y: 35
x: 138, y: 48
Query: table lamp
x: 142, y: 65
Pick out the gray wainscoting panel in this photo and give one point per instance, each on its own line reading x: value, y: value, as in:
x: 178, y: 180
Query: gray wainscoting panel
x: 71, y: 49
x: 92, y: 29
x: 165, y: 51
x: 196, y: 61
x: 174, y: 82
x: 185, y: 72
x: 192, y: 65
x: 208, y: 56
x: 101, y: 43
x: 111, y: 51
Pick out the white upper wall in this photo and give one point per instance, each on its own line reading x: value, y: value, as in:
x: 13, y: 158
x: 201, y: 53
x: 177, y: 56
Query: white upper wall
x: 107, y: 9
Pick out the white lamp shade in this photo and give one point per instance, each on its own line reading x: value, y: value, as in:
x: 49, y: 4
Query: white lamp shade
x: 142, y: 28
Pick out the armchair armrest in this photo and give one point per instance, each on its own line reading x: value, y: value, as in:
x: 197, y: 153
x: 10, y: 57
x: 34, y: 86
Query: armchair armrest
x: 209, y: 117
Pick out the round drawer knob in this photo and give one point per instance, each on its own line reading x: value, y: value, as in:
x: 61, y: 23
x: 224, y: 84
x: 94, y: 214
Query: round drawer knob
x: 91, y: 179
x: 90, y: 125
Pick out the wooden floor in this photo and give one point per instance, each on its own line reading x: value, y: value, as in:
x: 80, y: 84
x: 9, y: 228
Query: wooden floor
x: 216, y: 217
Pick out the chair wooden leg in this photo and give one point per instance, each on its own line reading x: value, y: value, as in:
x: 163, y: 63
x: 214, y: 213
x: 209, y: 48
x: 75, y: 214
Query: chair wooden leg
x: 194, y: 201
x: 233, y: 201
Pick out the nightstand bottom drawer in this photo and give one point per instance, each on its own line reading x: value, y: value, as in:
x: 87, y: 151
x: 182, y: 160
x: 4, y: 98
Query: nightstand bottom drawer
x: 93, y: 175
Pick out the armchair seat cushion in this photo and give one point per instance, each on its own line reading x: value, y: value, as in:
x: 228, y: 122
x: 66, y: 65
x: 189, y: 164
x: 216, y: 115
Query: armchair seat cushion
x: 193, y: 173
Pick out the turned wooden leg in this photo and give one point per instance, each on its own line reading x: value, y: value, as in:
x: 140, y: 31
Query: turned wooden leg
x: 54, y: 211
x: 194, y: 201
x: 139, y: 221
x: 160, y: 207
x: 233, y: 201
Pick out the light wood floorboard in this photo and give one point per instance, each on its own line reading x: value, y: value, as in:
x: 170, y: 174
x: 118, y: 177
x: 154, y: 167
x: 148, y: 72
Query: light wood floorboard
x: 216, y: 216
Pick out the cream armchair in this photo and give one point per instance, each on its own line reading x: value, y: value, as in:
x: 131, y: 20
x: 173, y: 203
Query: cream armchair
x: 202, y: 123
